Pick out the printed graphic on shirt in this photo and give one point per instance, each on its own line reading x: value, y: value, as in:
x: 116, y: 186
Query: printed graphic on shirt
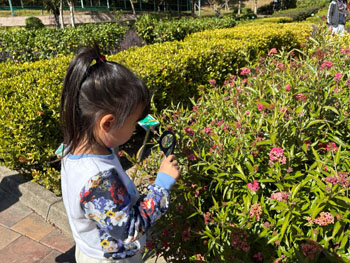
x: 106, y: 201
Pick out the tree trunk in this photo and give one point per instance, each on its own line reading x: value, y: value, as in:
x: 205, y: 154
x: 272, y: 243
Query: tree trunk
x: 193, y: 7
x: 239, y: 7
x: 133, y: 8
x: 72, y: 10
x: 61, y: 14
x: 256, y: 7
x: 226, y: 6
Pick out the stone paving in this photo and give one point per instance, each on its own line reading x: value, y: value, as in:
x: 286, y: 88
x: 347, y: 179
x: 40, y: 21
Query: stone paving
x: 26, y: 237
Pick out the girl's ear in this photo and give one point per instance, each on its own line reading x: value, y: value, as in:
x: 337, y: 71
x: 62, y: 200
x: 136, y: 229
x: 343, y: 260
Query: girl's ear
x: 106, y: 122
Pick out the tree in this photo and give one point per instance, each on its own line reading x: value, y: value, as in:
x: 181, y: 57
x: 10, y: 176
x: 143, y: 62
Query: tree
x: 52, y: 6
x: 72, y: 10
x: 61, y: 14
x: 256, y: 7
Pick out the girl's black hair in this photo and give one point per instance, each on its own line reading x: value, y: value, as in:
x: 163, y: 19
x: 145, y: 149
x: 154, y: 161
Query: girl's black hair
x: 90, y: 90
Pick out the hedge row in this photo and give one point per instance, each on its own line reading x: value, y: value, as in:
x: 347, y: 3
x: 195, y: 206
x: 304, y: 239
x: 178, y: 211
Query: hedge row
x: 29, y: 129
x: 178, y: 68
x: 31, y: 45
x: 298, y: 14
x: 155, y: 30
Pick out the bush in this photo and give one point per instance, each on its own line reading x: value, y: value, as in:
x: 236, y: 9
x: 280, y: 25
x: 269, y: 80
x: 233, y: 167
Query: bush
x: 33, y: 23
x: 156, y: 30
x: 297, y: 14
x: 29, y: 117
x: 31, y: 45
x: 265, y: 163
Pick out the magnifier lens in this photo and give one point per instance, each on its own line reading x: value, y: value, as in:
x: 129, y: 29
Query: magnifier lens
x: 167, y: 141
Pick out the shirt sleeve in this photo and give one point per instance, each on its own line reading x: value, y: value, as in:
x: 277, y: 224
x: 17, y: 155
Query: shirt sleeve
x: 105, y: 200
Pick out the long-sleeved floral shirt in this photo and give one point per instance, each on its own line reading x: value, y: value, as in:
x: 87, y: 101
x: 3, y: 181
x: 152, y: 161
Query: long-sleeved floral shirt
x: 121, y: 220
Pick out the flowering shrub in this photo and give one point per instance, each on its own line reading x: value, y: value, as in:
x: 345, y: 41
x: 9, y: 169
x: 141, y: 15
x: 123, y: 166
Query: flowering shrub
x: 265, y: 161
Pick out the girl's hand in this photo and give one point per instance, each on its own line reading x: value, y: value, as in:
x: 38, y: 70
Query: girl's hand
x: 170, y: 166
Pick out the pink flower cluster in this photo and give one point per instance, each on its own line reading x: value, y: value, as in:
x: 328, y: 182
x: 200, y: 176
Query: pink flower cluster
x: 189, y: 131
x: 258, y: 256
x: 345, y: 50
x: 256, y: 211
x: 254, y: 186
x: 342, y: 179
x: 301, y: 96
x: 207, y: 130
x: 287, y: 88
x: 239, y: 240
x: 277, y: 155
x: 280, y: 196
x: 324, y: 219
x: 331, y: 147
x: 261, y: 107
x: 271, y: 52
x: 245, y: 71
x: 326, y: 64
x: 311, y: 249
x: 338, y: 77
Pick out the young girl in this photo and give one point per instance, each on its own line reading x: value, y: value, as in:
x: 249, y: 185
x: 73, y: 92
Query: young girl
x: 101, y: 103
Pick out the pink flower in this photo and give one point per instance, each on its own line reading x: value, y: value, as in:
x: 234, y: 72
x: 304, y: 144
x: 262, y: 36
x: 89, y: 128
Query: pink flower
x: 191, y: 157
x: 219, y: 123
x: 280, y: 196
x: 207, y: 130
x: 331, y: 147
x: 272, y: 51
x: 338, y: 77
x: 301, y: 96
x: 212, y: 82
x: 311, y: 249
x: 326, y: 64
x: 324, y: 219
x: 186, y: 234
x: 255, y: 211
x: 254, y: 186
x: 245, y: 71
x: 261, y: 107
x: 287, y: 87
x: 258, y: 256
x: 189, y: 131
x: 239, y: 240
x: 345, y: 50
x: 277, y: 155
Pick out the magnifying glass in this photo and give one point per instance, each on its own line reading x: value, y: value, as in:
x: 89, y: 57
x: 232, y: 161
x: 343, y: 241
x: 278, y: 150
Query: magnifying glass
x: 167, y: 142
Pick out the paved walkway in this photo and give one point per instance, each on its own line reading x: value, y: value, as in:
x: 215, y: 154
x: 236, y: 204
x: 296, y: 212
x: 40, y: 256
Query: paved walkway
x: 33, y: 224
x: 26, y: 237
x: 50, y: 21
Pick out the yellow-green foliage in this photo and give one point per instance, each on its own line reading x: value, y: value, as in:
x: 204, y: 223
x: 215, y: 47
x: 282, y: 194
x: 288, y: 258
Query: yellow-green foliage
x: 29, y: 101
x: 270, y: 20
x: 29, y: 117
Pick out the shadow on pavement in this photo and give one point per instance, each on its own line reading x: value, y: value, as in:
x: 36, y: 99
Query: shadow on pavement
x: 67, y: 257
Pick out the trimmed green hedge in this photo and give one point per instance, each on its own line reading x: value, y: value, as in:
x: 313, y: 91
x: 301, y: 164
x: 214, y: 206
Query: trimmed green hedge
x: 298, y: 14
x: 29, y: 126
x: 174, y: 70
x: 155, y: 30
x: 22, y: 45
